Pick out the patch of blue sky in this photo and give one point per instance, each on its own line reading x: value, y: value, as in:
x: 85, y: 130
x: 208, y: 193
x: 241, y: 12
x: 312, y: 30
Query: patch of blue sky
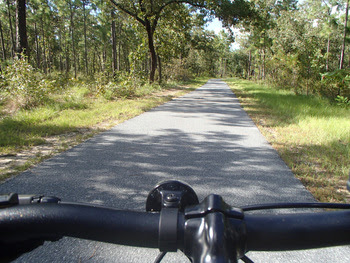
x: 216, y: 26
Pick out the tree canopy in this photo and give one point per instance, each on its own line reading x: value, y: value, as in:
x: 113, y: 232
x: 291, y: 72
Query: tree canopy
x: 148, y: 13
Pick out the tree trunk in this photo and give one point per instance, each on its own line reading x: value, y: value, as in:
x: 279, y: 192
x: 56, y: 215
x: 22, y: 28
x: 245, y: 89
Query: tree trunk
x: 160, y: 70
x: 329, y: 12
x: 60, y: 49
x: 264, y: 63
x: 21, y: 28
x: 2, y: 43
x: 72, y: 36
x: 100, y: 60
x: 93, y: 63
x: 78, y: 63
x: 126, y: 63
x: 67, y: 58
x: 44, y: 46
x: 119, y: 48
x: 341, y: 66
x: 85, y: 41
x: 37, y: 46
x: 103, y: 61
x: 114, y: 45
x: 49, y: 59
x: 328, y: 50
x: 249, y: 63
x: 152, y: 51
x: 11, y: 29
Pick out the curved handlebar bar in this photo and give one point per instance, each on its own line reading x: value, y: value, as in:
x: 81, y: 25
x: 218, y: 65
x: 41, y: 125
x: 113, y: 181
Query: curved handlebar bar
x: 297, y: 231
x: 81, y: 221
x: 208, y: 230
x: 262, y: 232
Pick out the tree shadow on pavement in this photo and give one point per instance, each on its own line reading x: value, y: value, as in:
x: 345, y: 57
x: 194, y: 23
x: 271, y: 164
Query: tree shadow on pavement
x: 120, y: 170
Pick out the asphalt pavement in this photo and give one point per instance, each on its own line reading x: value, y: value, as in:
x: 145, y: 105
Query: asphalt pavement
x: 204, y: 138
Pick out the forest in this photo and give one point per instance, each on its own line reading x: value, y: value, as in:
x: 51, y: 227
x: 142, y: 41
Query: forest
x: 53, y: 42
x: 302, y: 47
x: 47, y: 44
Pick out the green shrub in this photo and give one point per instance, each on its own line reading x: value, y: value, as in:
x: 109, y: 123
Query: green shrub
x: 342, y: 101
x: 125, y: 89
x: 338, y: 81
x: 57, y: 81
x: 25, y: 86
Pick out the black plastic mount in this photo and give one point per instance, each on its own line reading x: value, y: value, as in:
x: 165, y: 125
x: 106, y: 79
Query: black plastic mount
x: 169, y: 198
x: 170, y: 194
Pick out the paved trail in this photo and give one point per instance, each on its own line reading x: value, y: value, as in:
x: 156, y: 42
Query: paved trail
x: 203, y: 138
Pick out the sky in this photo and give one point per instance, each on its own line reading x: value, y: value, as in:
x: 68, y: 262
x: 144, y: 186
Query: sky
x: 216, y: 26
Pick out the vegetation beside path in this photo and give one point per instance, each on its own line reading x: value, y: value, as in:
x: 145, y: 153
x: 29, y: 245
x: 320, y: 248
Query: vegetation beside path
x: 311, y: 134
x: 64, y: 119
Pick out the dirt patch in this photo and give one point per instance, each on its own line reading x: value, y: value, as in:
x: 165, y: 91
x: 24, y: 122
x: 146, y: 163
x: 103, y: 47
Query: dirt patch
x: 12, y: 164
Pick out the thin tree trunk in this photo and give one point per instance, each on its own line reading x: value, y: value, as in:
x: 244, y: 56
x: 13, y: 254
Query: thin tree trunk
x: 101, y: 62
x: 44, y: 46
x: 114, y: 45
x: 78, y: 63
x: 2, y: 43
x: 72, y: 36
x: 329, y: 10
x: 264, y: 63
x: 341, y: 66
x: 60, y: 48
x: 85, y: 41
x: 49, y: 58
x: 66, y: 51
x: 11, y: 29
x: 67, y: 58
x: 93, y: 62
x: 61, y: 62
x: 160, y: 70
x: 328, y: 50
x: 119, y: 48
x: 21, y: 28
x: 126, y: 62
x: 249, y: 63
x: 37, y: 46
x: 259, y: 65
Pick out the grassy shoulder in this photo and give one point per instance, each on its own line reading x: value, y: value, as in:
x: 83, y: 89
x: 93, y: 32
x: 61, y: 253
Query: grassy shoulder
x: 311, y: 135
x: 28, y: 136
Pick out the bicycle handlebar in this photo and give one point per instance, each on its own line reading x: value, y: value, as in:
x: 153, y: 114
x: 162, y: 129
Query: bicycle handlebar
x: 297, y: 231
x: 141, y: 229
x: 81, y: 221
x: 211, y: 229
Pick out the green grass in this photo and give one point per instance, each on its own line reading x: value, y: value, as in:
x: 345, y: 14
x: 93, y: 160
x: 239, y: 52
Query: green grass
x: 73, y: 111
x: 28, y: 127
x: 311, y: 134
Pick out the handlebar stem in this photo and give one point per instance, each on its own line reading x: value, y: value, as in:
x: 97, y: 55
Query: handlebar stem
x: 210, y: 237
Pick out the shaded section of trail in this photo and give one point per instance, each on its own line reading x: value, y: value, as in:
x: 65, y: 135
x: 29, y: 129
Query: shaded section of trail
x: 203, y: 138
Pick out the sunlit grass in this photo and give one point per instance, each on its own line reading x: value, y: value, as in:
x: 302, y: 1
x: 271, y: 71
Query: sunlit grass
x: 311, y: 134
